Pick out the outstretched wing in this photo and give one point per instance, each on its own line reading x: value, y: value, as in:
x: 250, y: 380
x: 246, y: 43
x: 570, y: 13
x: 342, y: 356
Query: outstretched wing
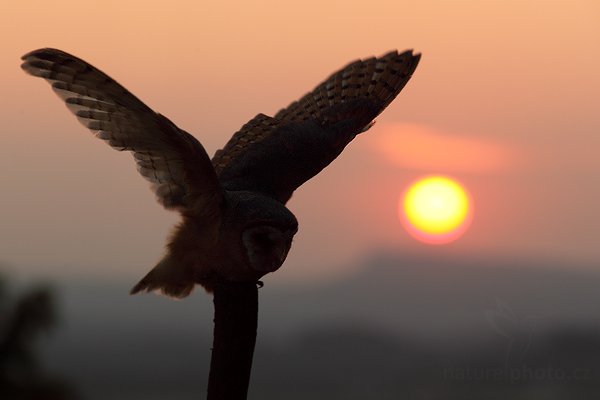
x: 171, y: 159
x: 277, y: 155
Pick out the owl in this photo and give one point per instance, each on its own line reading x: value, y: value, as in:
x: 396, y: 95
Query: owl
x: 234, y: 224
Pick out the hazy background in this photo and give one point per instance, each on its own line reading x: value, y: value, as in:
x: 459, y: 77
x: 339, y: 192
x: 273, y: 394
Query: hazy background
x: 505, y: 99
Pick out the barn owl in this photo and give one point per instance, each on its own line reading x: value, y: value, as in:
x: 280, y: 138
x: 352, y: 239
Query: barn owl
x: 234, y: 226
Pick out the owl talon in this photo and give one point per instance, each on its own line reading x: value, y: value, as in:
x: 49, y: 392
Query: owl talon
x: 259, y: 284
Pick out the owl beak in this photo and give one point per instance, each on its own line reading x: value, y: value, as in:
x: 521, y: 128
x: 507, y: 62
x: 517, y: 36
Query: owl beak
x: 282, y: 256
x: 278, y: 262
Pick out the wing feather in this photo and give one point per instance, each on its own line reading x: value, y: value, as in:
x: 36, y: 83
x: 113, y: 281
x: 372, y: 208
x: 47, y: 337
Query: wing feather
x: 172, y: 160
x: 277, y: 154
x: 254, y: 131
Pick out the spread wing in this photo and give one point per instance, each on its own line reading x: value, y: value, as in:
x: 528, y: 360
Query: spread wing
x: 171, y: 159
x: 275, y: 155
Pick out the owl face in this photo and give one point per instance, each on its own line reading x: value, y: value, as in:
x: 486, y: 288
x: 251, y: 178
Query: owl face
x: 267, y: 247
x: 262, y: 227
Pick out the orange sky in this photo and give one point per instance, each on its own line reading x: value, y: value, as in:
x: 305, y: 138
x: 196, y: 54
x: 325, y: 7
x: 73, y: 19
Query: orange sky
x: 508, y: 87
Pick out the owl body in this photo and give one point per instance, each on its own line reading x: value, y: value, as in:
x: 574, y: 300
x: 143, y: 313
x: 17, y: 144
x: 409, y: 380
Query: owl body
x: 235, y: 226
x: 249, y: 238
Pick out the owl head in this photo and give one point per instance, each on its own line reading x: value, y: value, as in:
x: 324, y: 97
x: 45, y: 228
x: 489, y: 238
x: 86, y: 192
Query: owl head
x: 267, y: 228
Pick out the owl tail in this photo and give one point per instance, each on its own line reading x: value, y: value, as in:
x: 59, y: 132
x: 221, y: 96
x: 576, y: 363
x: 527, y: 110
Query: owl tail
x: 171, y: 280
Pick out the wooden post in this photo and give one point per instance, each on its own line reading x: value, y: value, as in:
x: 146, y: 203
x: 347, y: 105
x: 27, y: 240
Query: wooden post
x: 236, y: 314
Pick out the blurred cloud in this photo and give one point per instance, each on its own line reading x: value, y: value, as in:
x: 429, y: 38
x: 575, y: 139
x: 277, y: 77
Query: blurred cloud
x: 418, y: 146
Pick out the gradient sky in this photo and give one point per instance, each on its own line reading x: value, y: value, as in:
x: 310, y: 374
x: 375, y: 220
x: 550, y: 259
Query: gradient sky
x: 505, y: 100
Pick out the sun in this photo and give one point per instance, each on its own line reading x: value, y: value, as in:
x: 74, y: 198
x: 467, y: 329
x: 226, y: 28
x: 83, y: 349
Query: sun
x: 435, y: 209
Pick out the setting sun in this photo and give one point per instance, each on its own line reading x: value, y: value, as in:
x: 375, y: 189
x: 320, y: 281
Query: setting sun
x: 435, y: 209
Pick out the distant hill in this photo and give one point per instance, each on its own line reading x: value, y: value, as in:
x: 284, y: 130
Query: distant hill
x: 398, y: 324
x: 437, y: 297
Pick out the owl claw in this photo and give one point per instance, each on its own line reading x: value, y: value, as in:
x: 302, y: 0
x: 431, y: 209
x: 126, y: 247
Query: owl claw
x: 259, y: 284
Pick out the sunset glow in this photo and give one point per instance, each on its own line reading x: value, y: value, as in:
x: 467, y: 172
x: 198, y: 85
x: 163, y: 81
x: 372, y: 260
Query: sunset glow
x: 435, y: 210
x: 502, y: 109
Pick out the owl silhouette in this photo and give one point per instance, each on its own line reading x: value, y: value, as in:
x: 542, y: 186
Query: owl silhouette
x: 235, y: 226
